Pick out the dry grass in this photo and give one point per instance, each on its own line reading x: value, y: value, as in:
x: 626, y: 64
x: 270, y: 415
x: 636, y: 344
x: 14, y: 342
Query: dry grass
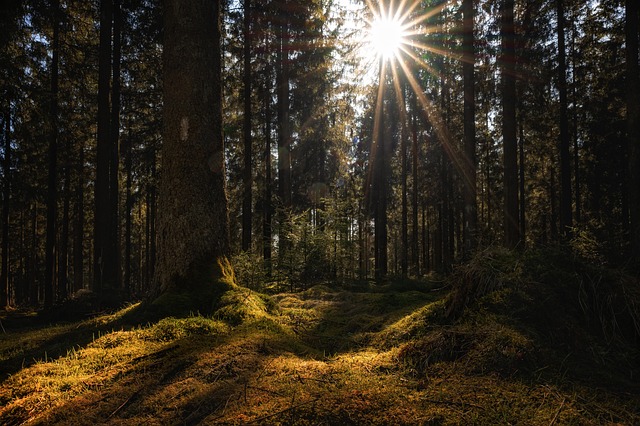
x: 319, y: 357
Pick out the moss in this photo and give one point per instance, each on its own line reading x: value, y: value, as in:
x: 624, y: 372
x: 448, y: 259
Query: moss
x: 200, y: 291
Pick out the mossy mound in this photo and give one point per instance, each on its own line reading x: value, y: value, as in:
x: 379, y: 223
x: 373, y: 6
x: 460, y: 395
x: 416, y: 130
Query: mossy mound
x: 525, y: 313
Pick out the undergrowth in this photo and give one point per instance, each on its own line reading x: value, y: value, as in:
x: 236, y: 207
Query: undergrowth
x: 531, y: 338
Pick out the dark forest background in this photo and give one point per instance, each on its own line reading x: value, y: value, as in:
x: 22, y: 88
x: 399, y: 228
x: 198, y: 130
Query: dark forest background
x: 550, y: 139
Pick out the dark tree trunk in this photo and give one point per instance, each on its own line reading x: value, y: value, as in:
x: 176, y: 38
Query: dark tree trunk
x: 248, y: 169
x: 404, y: 255
x: 379, y: 187
x: 566, y: 220
x: 469, y: 163
x: 103, y: 263
x: 6, y: 198
x: 52, y: 191
x: 284, y: 159
x: 512, y: 237
x: 114, y: 160
x: 633, y: 123
x: 78, y: 238
x: 193, y: 221
x: 127, y: 216
x: 523, y: 196
x: 415, y: 262
x: 63, y: 258
x: 268, y: 206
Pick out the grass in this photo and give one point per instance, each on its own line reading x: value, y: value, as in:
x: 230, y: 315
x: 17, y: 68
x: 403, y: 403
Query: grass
x: 393, y: 354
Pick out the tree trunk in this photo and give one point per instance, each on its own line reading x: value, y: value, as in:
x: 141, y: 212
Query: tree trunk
x: 404, y: 255
x: 512, y: 237
x: 103, y: 263
x: 566, y: 221
x: 268, y: 206
x: 6, y: 198
x: 379, y: 187
x: 114, y: 161
x: 127, y: 215
x: 248, y: 170
x: 469, y: 163
x: 78, y: 238
x: 633, y: 123
x: 284, y: 159
x: 415, y: 262
x: 523, y: 199
x: 52, y: 191
x: 193, y: 221
x: 63, y: 258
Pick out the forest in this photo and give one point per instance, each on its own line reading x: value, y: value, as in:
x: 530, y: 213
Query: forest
x: 320, y: 212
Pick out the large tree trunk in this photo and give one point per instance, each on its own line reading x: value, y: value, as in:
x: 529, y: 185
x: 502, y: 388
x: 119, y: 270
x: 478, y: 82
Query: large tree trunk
x: 633, y: 124
x: 469, y: 164
x: 193, y: 222
x: 566, y: 220
x: 512, y: 237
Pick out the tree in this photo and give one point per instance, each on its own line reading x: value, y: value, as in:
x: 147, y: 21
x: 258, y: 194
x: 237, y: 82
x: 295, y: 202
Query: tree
x: 469, y: 163
x: 193, y: 223
x: 52, y: 189
x: 512, y: 237
x: 633, y: 123
x: 566, y: 221
x: 6, y: 196
x: 105, y: 272
x: 248, y: 164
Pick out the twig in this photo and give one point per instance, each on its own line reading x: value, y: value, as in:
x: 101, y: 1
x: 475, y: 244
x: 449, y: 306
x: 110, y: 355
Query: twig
x: 126, y: 401
x: 553, y: 421
x: 3, y: 330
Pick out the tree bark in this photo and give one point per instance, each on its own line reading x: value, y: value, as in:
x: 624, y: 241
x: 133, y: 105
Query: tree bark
x: 103, y: 263
x: 114, y: 160
x: 469, y: 163
x: 248, y: 169
x: 78, y: 239
x: 415, y: 251
x: 566, y: 219
x: 404, y: 255
x: 193, y: 222
x: 6, y: 198
x: 284, y: 136
x: 52, y: 191
x: 512, y: 237
x: 268, y: 206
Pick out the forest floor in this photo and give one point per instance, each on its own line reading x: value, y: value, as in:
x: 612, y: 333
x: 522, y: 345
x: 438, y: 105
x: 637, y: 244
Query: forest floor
x: 350, y: 354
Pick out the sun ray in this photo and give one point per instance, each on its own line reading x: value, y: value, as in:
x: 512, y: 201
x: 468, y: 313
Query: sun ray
x: 400, y: 50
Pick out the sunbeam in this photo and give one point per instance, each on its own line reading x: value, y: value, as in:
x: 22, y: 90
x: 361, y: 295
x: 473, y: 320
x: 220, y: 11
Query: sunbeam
x: 397, y: 37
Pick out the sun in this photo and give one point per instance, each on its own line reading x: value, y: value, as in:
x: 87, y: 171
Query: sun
x: 386, y: 37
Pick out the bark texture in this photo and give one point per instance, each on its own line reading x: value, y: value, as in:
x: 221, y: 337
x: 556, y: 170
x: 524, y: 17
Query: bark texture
x: 193, y: 223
